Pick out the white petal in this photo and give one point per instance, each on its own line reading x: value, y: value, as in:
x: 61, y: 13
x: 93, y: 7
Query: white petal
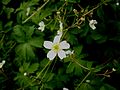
x: 57, y: 39
x: 51, y: 55
x: 64, y: 45
x: 93, y: 27
x: 61, y: 54
x: 41, y: 23
x: 48, y: 44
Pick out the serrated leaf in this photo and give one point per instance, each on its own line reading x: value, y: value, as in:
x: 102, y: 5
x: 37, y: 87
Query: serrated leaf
x: 36, y: 42
x: 89, y: 64
x: 18, y: 34
x: 25, y: 51
x: 78, y: 49
x: 29, y: 31
x: 33, y: 68
x: 71, y: 38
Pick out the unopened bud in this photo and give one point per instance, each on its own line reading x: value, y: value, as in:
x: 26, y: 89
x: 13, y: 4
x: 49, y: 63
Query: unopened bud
x: 113, y: 69
x: 87, y: 81
x: 58, y: 12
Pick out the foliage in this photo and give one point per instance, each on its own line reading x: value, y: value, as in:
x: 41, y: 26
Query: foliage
x: 94, y: 63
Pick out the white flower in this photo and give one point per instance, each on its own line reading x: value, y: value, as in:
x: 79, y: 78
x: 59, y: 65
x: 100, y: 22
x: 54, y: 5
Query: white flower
x: 28, y: 11
x: 56, y: 48
x: 2, y: 63
x: 65, y: 89
x: 41, y: 26
x: 92, y: 24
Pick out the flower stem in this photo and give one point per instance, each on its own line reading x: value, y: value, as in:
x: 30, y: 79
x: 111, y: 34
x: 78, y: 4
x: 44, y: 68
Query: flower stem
x: 35, y: 12
x: 83, y: 80
x: 42, y: 70
x: 80, y: 64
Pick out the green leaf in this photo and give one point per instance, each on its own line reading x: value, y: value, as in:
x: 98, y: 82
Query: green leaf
x: 96, y: 36
x: 41, y: 15
x: 100, y: 13
x: 107, y: 87
x: 8, y: 11
x: 70, y: 68
x: 78, y: 49
x: 25, y: 51
x: 71, y: 38
x: 86, y: 86
x: 36, y: 42
x: 89, y: 64
x: 18, y: 34
x: 5, y: 1
x: 29, y: 30
x: 33, y: 68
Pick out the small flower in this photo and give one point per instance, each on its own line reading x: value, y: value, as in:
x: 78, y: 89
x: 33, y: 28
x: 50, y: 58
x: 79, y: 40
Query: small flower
x: 92, y: 24
x: 28, y: 11
x: 41, y: 26
x: 2, y: 63
x: 56, y: 48
x: 65, y: 89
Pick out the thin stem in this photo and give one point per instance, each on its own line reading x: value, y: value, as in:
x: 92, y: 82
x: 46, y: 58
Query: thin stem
x: 80, y: 64
x: 83, y: 80
x: 42, y: 70
x: 35, y: 12
x: 44, y: 74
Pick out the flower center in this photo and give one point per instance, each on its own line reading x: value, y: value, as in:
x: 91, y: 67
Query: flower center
x: 56, y: 47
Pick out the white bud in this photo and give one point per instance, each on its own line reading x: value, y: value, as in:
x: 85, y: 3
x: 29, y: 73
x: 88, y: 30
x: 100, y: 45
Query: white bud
x: 117, y: 3
x: 87, y: 81
x: 113, y: 69
x: 25, y: 74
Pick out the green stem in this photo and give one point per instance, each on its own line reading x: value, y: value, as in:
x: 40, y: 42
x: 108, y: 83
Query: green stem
x: 35, y: 12
x: 44, y: 74
x: 80, y: 64
x: 42, y: 70
x: 83, y: 80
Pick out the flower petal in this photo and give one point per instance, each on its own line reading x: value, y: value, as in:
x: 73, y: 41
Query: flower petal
x: 57, y: 39
x: 48, y: 44
x: 64, y: 45
x: 51, y: 55
x: 41, y: 23
x: 61, y: 54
